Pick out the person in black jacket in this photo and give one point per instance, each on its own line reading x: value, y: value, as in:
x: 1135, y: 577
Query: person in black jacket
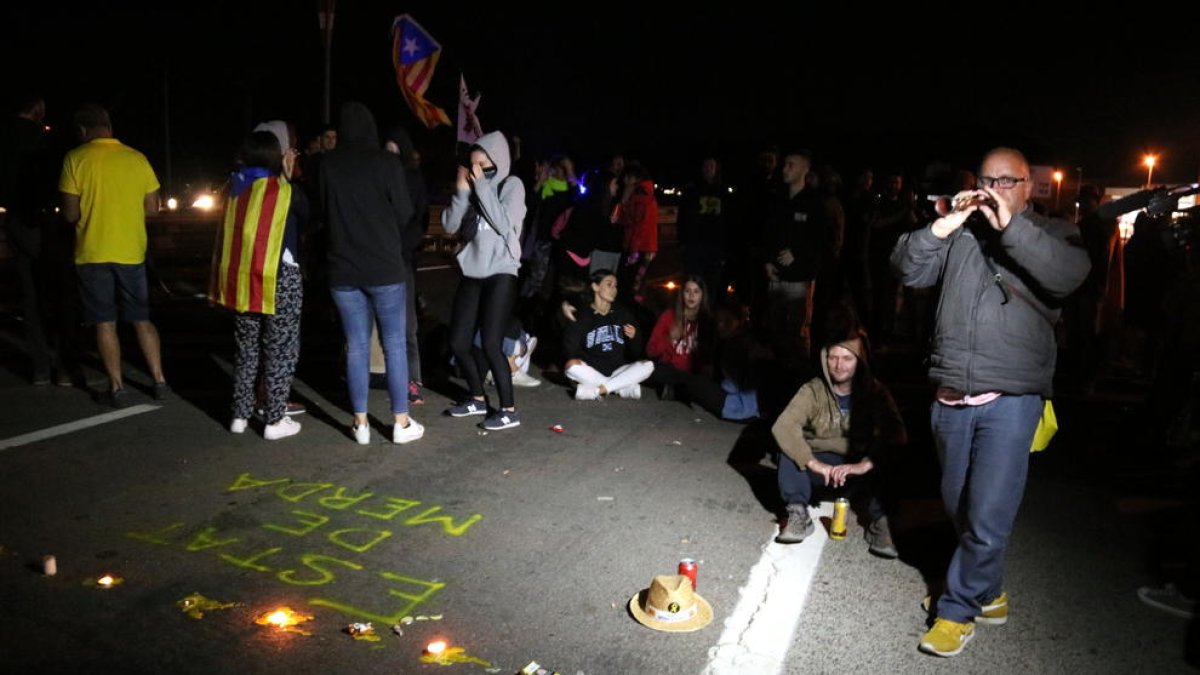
x: 793, y: 242
x: 365, y: 198
x: 704, y: 224
x: 398, y: 142
x: 27, y: 195
x: 602, y: 346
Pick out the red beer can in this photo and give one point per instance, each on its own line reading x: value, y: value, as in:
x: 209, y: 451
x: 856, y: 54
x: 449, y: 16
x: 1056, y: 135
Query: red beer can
x: 687, y: 568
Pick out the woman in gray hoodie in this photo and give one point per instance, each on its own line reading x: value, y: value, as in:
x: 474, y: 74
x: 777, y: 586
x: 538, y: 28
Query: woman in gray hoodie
x: 487, y: 209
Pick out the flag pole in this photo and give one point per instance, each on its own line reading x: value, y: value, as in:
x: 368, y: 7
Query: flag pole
x: 325, y: 17
x: 457, y: 122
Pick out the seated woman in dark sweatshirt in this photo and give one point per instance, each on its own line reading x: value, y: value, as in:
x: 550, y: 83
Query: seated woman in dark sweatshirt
x: 602, y: 346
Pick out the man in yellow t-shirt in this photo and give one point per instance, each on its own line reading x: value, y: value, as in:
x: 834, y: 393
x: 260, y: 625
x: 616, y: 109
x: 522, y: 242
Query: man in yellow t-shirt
x: 107, y: 190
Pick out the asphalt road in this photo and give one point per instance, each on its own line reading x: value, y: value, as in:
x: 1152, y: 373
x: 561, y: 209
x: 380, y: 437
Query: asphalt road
x: 516, y: 546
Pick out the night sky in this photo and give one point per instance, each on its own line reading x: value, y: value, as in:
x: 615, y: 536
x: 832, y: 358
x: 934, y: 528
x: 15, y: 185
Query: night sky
x: 867, y: 87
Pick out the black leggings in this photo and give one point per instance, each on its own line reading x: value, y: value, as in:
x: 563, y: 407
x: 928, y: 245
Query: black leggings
x: 702, y: 390
x: 486, y: 305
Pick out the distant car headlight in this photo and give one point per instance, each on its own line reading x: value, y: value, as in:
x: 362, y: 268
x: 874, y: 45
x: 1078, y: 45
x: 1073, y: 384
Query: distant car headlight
x: 204, y: 203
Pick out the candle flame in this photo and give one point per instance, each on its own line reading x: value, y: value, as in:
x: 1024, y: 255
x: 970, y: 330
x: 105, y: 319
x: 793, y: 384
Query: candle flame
x: 105, y: 580
x: 671, y: 286
x: 283, y: 618
x: 436, y: 647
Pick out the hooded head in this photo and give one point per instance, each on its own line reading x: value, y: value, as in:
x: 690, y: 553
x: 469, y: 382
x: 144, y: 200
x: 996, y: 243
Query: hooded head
x: 279, y: 128
x: 844, y: 330
x: 356, y: 127
x: 398, y: 135
x: 496, y: 146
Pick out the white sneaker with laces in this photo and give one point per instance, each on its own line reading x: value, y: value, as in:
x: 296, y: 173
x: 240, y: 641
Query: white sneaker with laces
x: 585, y: 392
x: 238, y: 425
x: 526, y: 380
x: 285, y: 427
x: 362, y: 433
x: 407, y: 434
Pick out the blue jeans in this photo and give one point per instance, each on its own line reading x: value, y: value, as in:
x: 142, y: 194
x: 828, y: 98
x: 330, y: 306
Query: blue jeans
x: 796, y: 485
x: 984, y: 452
x: 356, y: 306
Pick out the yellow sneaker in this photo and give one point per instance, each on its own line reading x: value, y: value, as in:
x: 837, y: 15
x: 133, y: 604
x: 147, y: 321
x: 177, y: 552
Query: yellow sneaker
x: 947, y: 638
x: 994, y: 613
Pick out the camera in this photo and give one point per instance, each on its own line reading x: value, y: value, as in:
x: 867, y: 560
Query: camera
x: 967, y: 201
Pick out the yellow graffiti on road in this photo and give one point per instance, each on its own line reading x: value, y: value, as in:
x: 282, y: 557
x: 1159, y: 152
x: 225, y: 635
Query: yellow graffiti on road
x: 323, y: 522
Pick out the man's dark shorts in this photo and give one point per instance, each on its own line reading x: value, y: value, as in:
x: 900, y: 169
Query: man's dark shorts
x: 112, y: 292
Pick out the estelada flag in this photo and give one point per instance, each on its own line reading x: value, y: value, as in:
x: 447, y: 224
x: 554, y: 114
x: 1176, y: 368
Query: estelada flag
x: 249, y: 246
x: 415, y: 55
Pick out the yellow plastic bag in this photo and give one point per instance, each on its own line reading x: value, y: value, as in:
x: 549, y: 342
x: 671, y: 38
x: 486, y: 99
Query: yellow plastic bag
x: 1046, y: 428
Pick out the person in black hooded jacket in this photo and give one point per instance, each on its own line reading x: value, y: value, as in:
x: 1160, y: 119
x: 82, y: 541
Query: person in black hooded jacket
x: 365, y: 197
x: 399, y: 143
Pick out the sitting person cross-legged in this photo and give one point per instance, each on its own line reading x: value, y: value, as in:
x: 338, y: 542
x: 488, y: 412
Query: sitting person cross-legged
x: 602, y: 344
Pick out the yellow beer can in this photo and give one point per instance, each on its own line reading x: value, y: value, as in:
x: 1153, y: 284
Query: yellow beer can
x: 837, y: 528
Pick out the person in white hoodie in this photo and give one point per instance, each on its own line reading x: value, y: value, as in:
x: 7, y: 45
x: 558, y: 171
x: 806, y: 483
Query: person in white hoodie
x: 487, y: 210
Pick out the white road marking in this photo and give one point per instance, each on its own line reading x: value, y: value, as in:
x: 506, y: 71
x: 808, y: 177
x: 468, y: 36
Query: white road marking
x: 70, y: 427
x: 760, y: 630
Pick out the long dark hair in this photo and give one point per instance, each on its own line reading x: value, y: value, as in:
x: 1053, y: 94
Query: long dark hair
x: 595, y: 278
x: 705, y: 324
x: 843, y: 325
x: 261, y: 149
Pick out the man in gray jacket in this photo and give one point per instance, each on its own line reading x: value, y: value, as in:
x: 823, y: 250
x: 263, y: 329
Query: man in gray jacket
x: 1004, y: 274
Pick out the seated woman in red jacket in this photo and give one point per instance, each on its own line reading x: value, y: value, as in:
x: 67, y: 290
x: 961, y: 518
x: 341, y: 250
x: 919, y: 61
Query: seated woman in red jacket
x: 714, y: 362
x: 683, y: 340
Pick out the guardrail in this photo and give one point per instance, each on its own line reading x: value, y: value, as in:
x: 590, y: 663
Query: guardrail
x: 182, y: 242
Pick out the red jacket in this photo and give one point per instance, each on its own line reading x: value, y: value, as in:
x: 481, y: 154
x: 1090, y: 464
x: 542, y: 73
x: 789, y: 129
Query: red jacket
x: 640, y: 217
x: 662, y: 349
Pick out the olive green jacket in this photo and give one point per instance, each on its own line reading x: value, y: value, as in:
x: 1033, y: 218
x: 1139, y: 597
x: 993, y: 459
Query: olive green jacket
x: 812, y: 422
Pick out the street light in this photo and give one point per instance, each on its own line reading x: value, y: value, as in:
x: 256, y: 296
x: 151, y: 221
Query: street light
x: 1058, y: 177
x: 1149, y: 161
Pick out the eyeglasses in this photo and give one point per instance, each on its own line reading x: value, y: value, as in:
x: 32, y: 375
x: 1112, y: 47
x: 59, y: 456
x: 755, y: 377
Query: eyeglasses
x: 1002, y: 182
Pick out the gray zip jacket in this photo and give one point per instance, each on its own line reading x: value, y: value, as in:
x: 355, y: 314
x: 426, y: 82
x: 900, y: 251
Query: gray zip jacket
x: 995, y: 325
x: 499, y: 206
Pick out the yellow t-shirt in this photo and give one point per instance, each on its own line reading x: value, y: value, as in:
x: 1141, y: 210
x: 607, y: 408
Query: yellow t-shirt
x: 111, y: 180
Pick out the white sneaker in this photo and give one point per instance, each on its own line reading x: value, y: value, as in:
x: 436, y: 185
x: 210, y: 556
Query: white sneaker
x: 285, y: 427
x: 633, y: 391
x: 407, y: 434
x: 362, y: 433
x: 586, y: 393
x: 520, y: 379
x: 238, y: 425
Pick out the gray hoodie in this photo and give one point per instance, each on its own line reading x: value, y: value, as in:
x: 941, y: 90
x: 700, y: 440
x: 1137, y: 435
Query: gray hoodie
x: 500, y: 210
